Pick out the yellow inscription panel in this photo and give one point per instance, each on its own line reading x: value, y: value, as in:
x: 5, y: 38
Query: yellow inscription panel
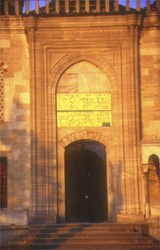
x: 84, y: 119
x: 83, y: 110
x: 84, y: 101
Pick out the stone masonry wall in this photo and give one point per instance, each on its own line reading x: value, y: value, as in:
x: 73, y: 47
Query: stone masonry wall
x: 150, y: 87
x: 150, y: 107
x: 15, y: 128
x: 150, y: 78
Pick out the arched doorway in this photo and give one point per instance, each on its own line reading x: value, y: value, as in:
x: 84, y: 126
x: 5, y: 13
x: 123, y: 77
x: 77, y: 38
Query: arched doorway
x: 85, y: 182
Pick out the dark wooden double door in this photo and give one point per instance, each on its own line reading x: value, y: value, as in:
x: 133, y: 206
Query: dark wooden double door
x: 85, y: 182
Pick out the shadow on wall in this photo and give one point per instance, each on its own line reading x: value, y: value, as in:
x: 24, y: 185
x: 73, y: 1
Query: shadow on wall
x: 115, y: 189
x: 33, y: 181
x: 43, y: 181
x: 31, y: 185
x: 15, y: 147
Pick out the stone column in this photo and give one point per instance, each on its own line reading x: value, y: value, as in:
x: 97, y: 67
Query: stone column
x: 130, y: 123
x: 30, y: 29
x: 43, y: 132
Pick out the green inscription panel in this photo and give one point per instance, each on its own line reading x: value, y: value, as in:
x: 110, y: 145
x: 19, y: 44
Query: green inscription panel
x: 84, y: 110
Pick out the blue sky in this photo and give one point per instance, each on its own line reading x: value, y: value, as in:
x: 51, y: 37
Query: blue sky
x: 123, y: 2
x: 133, y: 2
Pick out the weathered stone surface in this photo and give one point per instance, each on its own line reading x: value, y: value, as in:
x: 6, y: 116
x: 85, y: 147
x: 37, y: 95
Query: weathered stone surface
x: 14, y: 141
x: 83, y: 54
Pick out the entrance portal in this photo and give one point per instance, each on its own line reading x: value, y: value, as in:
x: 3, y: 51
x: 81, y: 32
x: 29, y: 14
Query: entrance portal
x: 85, y: 182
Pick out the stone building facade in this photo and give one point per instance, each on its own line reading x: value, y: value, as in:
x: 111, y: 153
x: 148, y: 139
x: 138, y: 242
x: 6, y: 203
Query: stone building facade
x: 43, y: 57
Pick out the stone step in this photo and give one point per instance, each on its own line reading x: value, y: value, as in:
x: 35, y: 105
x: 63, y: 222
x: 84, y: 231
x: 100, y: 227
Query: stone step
x: 69, y: 241
x: 91, y: 228
x: 43, y: 233
x: 83, y: 241
x: 84, y: 232
x: 87, y: 236
x: 108, y: 246
x: 87, y: 246
x: 91, y: 225
x: 42, y: 237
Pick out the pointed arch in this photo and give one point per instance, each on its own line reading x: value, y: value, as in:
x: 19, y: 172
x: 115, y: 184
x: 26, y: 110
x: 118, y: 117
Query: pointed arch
x: 68, y: 60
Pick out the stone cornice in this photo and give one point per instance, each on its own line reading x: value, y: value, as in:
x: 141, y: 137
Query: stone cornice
x: 11, y: 23
x: 151, y: 21
x: 109, y: 22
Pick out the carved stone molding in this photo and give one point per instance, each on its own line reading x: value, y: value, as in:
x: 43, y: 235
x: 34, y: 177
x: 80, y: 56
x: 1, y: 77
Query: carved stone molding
x: 84, y: 134
x: 151, y: 140
x: 73, y: 58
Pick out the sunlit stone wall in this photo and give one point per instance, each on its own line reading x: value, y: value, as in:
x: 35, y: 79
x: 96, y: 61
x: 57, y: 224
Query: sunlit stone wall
x: 150, y: 88
x: 59, y: 47
x: 150, y: 107
x: 15, y: 127
x: 150, y: 77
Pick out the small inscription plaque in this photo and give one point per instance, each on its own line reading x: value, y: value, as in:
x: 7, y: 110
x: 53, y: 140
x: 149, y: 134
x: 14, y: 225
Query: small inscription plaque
x: 83, y: 110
